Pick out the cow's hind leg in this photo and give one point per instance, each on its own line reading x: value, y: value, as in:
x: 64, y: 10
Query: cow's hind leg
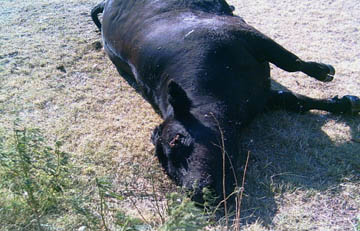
x: 298, y: 103
x: 288, y: 61
x: 267, y: 49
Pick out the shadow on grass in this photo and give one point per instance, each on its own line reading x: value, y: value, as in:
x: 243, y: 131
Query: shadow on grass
x: 310, y: 152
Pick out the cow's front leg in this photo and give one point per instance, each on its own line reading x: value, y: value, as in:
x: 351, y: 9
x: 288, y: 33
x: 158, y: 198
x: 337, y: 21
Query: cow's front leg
x: 299, y: 103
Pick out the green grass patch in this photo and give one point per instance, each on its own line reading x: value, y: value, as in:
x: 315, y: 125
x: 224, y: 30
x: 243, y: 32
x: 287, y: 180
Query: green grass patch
x: 34, y: 178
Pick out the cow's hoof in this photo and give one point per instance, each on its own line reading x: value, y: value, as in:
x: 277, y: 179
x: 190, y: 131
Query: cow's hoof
x: 320, y: 71
x: 354, y: 103
x: 329, y: 75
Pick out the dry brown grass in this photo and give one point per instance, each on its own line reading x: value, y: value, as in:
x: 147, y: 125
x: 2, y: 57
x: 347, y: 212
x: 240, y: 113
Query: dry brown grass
x: 304, y: 170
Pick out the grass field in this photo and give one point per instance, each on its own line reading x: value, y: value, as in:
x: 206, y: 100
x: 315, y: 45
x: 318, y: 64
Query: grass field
x: 304, y: 170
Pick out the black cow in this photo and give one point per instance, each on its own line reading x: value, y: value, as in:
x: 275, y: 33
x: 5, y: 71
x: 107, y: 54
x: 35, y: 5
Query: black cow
x: 206, y: 72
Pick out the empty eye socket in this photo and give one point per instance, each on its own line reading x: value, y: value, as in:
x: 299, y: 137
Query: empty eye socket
x: 178, y: 139
x: 178, y: 150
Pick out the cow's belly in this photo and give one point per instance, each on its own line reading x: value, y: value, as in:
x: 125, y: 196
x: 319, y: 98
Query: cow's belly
x: 129, y: 72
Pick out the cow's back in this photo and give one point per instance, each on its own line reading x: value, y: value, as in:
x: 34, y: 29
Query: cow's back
x: 204, y: 52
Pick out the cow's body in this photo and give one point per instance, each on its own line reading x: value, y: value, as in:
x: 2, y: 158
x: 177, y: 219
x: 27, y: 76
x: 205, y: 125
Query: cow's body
x: 198, y: 50
x: 206, y: 72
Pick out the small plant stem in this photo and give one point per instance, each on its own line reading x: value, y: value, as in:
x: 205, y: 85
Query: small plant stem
x: 38, y: 223
x: 25, y: 167
x: 156, y: 201
x: 239, y: 198
x: 57, y: 152
x: 139, y: 211
x: 102, y: 203
x: 223, y: 152
x: 224, y: 176
x: 102, y: 212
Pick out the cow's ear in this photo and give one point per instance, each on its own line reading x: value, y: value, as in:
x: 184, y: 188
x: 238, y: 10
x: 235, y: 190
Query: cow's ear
x: 178, y: 99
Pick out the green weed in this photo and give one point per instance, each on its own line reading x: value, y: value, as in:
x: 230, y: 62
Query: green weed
x: 183, y: 215
x: 34, y: 177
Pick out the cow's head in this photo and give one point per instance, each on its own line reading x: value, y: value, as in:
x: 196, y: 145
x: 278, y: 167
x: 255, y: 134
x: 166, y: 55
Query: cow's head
x: 190, y: 149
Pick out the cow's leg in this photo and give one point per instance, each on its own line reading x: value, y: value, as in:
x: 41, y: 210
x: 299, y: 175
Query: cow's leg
x: 268, y: 50
x: 298, y: 103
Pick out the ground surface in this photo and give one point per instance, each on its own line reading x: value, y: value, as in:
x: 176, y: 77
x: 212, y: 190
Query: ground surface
x: 304, y: 172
